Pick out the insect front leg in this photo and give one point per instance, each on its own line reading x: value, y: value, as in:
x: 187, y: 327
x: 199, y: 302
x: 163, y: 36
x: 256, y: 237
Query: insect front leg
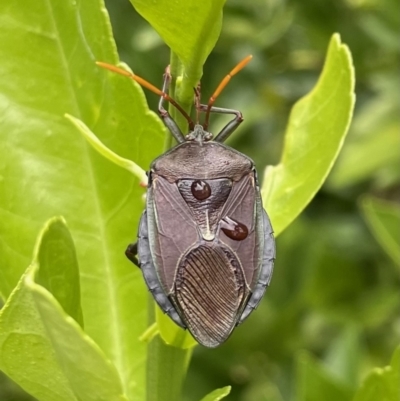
x: 229, y: 128
x: 168, y: 120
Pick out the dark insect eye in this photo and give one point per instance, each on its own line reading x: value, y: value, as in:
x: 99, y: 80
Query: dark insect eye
x: 233, y: 229
x: 200, y: 189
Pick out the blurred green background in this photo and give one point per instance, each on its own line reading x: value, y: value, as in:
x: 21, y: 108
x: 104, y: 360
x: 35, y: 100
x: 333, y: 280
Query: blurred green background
x: 334, y: 302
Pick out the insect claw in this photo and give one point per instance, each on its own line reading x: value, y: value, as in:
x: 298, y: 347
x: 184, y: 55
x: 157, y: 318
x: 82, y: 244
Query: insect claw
x: 167, y: 70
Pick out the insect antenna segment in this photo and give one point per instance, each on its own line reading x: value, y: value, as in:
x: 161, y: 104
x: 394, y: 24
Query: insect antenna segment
x: 197, y: 90
x: 146, y: 85
x: 222, y: 85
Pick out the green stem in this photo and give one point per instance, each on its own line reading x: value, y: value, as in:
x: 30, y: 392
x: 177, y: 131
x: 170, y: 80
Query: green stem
x: 166, y: 372
x: 181, y: 91
x: 167, y: 365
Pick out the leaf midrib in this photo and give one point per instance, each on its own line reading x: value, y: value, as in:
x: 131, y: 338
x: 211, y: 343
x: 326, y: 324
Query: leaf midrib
x: 114, y: 330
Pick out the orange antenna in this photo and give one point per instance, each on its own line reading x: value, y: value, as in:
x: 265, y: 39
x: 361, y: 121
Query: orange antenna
x: 147, y: 85
x: 222, y: 85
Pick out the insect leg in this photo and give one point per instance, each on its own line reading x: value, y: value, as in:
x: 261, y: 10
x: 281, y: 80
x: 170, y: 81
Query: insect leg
x: 266, y: 270
x: 230, y: 127
x: 150, y: 275
x: 168, y: 120
x: 131, y: 253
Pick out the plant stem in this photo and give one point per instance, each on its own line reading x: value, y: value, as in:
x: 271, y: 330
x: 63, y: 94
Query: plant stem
x: 166, y: 373
x: 166, y: 367
x: 179, y: 92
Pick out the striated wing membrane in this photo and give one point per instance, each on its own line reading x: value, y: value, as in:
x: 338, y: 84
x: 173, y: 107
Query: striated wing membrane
x: 209, y: 291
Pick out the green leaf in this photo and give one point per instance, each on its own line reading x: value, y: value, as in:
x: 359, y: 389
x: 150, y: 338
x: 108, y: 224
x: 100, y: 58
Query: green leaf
x: 92, y: 139
x: 49, y: 48
x: 314, y: 383
x: 217, y: 394
x: 364, y: 156
x: 383, y: 219
x: 41, y: 347
x: 172, y: 334
x: 343, y: 358
x: 91, y: 376
x: 190, y: 28
x: 59, y: 271
x: 26, y: 353
x: 317, y: 127
x: 371, y: 149
x: 166, y: 371
x: 382, y: 384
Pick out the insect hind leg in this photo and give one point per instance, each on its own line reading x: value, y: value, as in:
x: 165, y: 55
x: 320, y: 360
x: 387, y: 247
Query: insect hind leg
x: 131, y: 253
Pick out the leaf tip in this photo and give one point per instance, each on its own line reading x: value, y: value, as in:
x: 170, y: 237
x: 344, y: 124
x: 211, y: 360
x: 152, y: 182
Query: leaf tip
x: 48, y: 225
x: 344, y: 50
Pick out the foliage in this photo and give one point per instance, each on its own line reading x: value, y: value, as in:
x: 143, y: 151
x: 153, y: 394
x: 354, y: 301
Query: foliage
x: 339, y: 295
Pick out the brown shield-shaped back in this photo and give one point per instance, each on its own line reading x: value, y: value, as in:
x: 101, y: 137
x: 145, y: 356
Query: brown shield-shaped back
x: 207, y: 272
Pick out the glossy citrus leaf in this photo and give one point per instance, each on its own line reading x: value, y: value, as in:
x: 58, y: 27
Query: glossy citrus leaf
x: 191, y: 29
x: 59, y: 271
x: 172, y: 334
x: 217, y: 394
x: 41, y: 347
x: 317, y: 127
x: 49, y: 48
x: 166, y: 372
x: 91, y: 376
x: 127, y: 164
x: 26, y: 353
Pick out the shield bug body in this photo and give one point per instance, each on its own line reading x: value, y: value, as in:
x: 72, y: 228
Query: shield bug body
x: 205, y: 244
